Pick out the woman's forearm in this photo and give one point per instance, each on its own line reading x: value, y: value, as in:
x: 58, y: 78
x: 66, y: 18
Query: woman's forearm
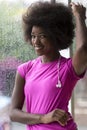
x: 57, y: 115
x: 17, y: 115
x: 81, y: 32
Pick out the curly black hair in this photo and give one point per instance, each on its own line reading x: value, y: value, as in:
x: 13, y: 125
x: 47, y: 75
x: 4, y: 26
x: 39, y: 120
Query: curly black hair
x: 55, y: 18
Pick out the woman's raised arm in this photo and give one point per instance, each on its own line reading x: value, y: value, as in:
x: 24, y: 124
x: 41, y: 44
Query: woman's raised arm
x: 80, y: 57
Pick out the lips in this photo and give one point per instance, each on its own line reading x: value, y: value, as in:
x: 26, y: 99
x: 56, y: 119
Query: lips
x: 38, y: 47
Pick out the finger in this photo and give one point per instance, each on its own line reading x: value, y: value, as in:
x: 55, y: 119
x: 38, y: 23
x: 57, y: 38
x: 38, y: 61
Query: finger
x: 58, y: 116
x: 72, y: 3
x: 61, y: 123
x: 77, y: 3
x: 60, y: 112
x: 69, y: 119
x: 65, y: 118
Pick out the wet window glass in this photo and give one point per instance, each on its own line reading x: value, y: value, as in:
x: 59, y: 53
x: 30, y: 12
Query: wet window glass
x: 13, y: 52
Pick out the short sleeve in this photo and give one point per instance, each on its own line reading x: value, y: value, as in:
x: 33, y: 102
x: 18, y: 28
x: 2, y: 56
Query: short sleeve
x: 23, y: 68
x: 72, y: 71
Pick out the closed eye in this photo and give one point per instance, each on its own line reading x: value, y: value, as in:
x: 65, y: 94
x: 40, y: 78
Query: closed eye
x: 33, y: 36
x: 40, y: 36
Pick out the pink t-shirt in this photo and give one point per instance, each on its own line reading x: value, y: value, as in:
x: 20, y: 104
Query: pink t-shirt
x: 41, y: 93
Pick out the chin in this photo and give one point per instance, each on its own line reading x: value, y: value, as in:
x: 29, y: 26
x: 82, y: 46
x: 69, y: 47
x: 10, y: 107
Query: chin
x: 39, y: 53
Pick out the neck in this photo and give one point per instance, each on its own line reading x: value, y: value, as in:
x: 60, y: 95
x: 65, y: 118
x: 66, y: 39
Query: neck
x: 50, y: 58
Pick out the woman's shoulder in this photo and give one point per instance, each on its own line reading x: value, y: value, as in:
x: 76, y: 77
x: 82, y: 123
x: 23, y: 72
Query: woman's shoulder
x: 28, y: 63
x: 26, y: 66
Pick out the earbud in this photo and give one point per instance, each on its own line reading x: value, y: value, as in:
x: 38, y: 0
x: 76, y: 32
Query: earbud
x: 59, y: 84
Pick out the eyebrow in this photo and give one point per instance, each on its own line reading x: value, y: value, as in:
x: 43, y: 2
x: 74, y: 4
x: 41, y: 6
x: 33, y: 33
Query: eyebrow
x: 38, y: 33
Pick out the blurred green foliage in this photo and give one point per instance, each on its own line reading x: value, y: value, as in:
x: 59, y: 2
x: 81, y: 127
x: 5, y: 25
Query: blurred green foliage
x: 12, y: 43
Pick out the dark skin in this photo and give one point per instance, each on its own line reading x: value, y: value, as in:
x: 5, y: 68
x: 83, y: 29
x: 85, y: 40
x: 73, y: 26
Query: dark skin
x: 80, y: 56
x: 79, y: 61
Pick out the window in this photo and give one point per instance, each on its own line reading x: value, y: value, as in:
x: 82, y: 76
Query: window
x: 13, y: 51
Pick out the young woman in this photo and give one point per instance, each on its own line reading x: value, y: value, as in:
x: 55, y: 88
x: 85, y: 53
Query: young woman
x: 46, y: 83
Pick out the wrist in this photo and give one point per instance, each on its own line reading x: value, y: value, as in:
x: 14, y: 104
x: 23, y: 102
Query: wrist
x: 80, y: 17
x: 43, y: 119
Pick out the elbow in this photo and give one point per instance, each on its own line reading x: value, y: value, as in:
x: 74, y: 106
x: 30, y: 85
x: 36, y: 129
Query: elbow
x: 12, y: 115
x: 84, y: 47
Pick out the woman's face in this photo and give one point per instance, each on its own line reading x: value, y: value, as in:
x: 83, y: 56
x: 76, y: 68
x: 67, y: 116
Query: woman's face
x: 41, y: 42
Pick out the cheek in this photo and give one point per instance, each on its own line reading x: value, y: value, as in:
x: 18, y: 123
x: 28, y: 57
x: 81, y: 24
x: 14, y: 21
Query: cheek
x: 48, y: 48
x: 49, y: 45
x: 32, y: 42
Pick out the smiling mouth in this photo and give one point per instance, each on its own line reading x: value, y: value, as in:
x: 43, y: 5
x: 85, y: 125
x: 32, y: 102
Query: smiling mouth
x: 38, y: 47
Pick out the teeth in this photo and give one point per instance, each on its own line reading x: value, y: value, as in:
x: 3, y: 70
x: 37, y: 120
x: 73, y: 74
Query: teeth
x: 38, y: 47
